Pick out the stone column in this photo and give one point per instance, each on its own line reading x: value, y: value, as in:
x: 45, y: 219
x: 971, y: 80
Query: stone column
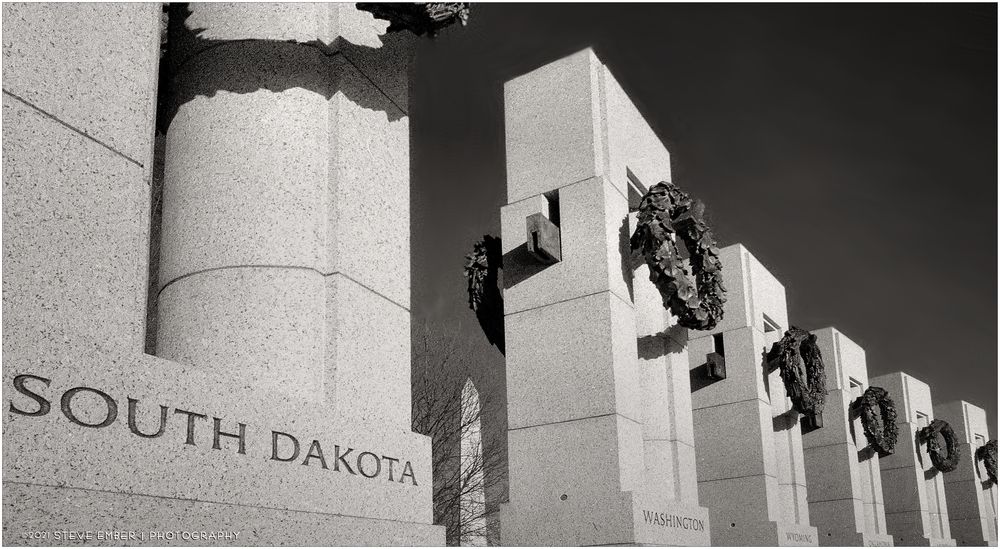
x: 751, y: 473
x: 285, y: 243
x: 585, y: 467
x: 845, y: 485
x: 972, y: 496
x: 916, y: 510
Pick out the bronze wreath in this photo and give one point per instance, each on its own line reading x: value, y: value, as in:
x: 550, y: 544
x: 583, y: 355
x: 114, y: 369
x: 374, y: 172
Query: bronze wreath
x: 944, y: 463
x: 988, y: 453
x: 801, y: 364
x: 481, y: 269
x: 878, y: 418
x: 666, y: 211
x: 418, y: 18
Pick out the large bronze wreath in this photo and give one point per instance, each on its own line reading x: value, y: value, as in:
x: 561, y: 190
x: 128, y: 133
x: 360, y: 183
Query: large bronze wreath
x: 988, y: 453
x: 482, y: 268
x: 665, y: 212
x: 801, y: 364
x: 878, y: 418
x: 944, y: 462
x: 421, y: 18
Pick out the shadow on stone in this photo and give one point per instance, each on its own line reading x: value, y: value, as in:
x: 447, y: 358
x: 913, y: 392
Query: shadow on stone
x: 264, y: 64
x: 785, y: 421
x: 629, y: 261
x: 520, y: 265
x: 661, y: 344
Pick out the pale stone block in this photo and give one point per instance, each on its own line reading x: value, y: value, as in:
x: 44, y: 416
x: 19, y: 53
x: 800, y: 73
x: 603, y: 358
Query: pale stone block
x: 68, y: 200
x: 732, y: 441
x: 369, y: 178
x: 553, y: 128
x: 764, y: 534
x: 50, y: 450
x: 592, y: 216
x: 49, y: 67
x: 562, y: 337
x: 594, y: 443
x: 740, y: 500
x: 745, y: 378
x: 307, y: 202
x: 225, y: 207
x: 367, y: 356
x: 50, y: 509
x: 569, y: 121
x: 267, y: 323
x: 836, y: 520
x: 830, y: 473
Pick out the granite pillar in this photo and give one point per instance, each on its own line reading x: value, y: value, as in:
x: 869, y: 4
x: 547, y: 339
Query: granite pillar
x: 845, y: 484
x: 751, y: 472
x: 600, y: 441
x: 972, y: 496
x: 916, y: 509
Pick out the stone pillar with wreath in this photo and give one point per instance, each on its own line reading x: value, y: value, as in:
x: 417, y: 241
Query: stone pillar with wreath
x: 913, y: 476
x: 972, y: 484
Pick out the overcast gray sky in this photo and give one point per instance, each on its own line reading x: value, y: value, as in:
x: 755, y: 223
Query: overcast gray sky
x: 852, y: 148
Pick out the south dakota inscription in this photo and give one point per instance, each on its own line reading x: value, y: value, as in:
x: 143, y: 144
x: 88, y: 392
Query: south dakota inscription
x: 283, y: 447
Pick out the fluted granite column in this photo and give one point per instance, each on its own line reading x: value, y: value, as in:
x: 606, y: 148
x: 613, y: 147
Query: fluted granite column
x: 285, y: 243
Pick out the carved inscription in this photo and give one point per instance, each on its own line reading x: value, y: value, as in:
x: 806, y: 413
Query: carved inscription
x: 798, y: 538
x: 667, y: 520
x: 101, y: 410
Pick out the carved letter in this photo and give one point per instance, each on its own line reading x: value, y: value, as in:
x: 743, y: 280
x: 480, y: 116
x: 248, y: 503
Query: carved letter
x: 43, y: 404
x: 408, y: 472
x: 340, y: 459
x: 378, y: 465
x: 315, y: 452
x: 135, y: 429
x: 274, y: 446
x: 391, y: 461
x: 217, y: 434
x: 67, y: 399
x: 190, y: 424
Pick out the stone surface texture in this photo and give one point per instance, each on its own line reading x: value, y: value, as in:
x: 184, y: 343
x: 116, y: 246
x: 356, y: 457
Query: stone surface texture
x: 601, y: 442
x: 284, y: 296
x: 972, y: 496
x: 751, y: 470
x: 916, y: 508
x: 845, y: 484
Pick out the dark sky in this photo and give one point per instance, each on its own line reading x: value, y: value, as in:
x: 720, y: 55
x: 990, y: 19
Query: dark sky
x: 852, y: 148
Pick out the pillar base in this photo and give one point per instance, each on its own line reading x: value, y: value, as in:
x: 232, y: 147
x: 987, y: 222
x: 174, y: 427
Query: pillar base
x: 54, y: 513
x: 855, y: 539
x: 635, y: 519
x: 764, y: 534
x: 304, y: 473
